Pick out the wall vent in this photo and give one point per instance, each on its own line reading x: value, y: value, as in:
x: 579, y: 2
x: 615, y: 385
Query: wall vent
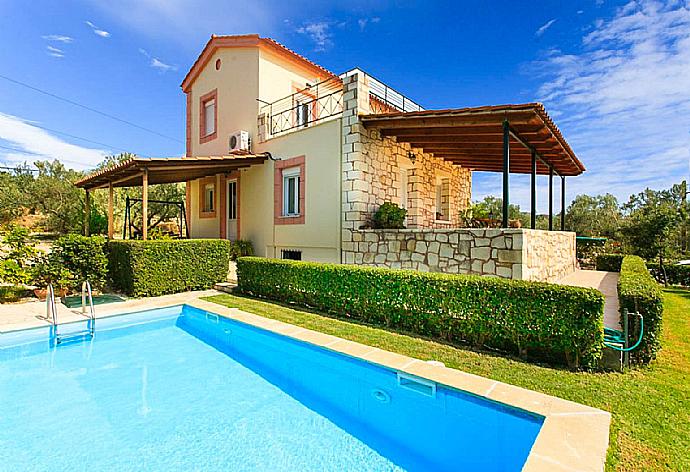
x: 291, y: 254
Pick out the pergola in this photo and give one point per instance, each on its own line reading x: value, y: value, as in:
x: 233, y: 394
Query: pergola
x: 158, y: 170
x: 521, y: 139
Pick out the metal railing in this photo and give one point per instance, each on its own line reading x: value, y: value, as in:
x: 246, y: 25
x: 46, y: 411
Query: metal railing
x: 313, y: 104
x: 382, y: 98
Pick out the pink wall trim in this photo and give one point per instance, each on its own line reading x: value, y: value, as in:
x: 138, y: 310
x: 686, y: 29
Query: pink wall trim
x: 278, y: 217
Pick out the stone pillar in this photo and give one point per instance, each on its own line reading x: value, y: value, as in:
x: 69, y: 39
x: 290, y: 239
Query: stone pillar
x: 354, y: 165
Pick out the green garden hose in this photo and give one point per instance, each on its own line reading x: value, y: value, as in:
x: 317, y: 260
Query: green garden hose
x: 618, y: 337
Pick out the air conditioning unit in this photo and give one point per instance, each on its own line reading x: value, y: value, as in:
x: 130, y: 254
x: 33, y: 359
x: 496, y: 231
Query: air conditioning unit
x: 239, y: 141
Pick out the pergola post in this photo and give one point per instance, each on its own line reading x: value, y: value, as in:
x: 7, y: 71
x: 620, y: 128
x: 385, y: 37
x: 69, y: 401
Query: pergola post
x: 550, y: 198
x: 145, y: 204
x: 562, y: 202
x: 533, y: 192
x: 506, y: 171
x: 87, y: 213
x: 111, y: 226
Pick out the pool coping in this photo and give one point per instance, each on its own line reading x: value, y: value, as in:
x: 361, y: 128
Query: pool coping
x: 573, y: 437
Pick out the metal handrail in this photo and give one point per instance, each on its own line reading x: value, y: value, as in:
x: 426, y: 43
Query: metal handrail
x: 86, y: 291
x: 51, y: 310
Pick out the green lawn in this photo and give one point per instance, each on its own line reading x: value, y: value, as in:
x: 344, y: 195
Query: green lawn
x: 650, y: 406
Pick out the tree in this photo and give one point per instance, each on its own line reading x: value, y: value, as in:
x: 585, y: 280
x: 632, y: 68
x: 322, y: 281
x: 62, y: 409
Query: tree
x: 653, y: 219
x: 492, y: 207
x: 52, y: 193
x: 594, y: 216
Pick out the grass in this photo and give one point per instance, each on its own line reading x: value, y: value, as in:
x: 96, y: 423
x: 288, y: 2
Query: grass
x: 650, y: 406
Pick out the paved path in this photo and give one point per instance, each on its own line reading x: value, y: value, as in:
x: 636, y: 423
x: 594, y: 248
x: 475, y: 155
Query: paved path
x: 606, y: 283
x: 14, y: 316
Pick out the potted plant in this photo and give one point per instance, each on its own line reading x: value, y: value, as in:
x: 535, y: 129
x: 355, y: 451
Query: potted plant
x: 49, y: 270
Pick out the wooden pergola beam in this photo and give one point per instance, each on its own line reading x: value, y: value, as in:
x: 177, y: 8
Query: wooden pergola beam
x: 145, y: 203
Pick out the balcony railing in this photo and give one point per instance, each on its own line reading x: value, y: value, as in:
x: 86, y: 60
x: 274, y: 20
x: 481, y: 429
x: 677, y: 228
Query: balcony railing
x: 384, y: 99
x: 313, y: 104
x: 323, y: 101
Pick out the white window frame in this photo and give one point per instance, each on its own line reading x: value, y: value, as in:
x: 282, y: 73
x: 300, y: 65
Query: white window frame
x: 209, y: 121
x: 291, y: 174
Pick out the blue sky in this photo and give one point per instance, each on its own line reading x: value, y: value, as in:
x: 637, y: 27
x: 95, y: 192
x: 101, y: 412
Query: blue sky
x: 614, y: 75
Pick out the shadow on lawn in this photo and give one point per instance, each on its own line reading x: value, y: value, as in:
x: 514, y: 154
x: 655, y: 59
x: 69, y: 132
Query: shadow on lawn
x: 483, y: 350
x: 681, y: 292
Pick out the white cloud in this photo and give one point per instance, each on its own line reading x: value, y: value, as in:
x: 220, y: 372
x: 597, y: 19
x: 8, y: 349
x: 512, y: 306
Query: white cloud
x: 542, y: 29
x: 33, y: 144
x: 319, y: 32
x: 55, y: 52
x: 97, y: 30
x: 623, y: 100
x: 157, y: 63
x: 363, y: 22
x: 58, y: 37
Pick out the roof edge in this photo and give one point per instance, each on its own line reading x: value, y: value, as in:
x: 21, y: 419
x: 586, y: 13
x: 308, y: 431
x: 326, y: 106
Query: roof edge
x: 246, y: 40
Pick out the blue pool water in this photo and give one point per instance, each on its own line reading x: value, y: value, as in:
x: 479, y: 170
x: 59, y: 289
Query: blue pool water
x: 180, y: 389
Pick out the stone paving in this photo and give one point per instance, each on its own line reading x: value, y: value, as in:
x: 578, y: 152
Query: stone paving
x: 14, y: 316
x: 606, y: 283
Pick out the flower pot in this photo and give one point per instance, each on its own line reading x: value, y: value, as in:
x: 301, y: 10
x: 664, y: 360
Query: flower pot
x: 42, y: 293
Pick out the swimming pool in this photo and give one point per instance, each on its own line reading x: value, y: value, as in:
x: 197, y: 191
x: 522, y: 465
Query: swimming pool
x: 180, y: 388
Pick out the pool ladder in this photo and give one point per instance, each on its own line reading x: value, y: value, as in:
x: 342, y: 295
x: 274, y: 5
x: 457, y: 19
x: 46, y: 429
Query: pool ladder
x: 51, y: 313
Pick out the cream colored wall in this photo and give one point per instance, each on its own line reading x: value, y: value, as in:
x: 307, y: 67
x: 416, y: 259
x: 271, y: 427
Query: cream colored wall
x: 245, y: 75
x: 277, y: 77
x: 237, y: 83
x: 319, y: 237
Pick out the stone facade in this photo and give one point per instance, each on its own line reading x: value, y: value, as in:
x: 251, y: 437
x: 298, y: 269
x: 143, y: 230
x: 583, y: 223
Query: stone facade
x: 373, y: 168
x: 509, y: 253
x: 372, y: 173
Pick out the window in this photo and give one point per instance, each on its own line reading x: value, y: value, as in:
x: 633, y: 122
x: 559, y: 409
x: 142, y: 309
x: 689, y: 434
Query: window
x: 443, y: 199
x: 302, y: 110
x: 209, y: 117
x: 289, y: 191
x: 292, y: 254
x: 291, y: 179
x: 207, y: 197
x: 403, y: 187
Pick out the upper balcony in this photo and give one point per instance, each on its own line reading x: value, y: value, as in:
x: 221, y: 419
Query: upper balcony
x: 323, y: 101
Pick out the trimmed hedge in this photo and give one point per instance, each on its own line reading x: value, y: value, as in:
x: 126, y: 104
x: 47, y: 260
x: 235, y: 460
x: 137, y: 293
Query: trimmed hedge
x: 676, y: 274
x: 609, y: 262
x: 150, y: 268
x: 85, y: 257
x: 639, y: 292
x: 554, y: 322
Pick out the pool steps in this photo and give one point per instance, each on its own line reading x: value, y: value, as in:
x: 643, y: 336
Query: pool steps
x: 51, y: 314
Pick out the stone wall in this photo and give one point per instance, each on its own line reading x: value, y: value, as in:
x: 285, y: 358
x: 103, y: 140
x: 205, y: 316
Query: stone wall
x: 508, y: 253
x: 548, y: 255
x: 372, y: 168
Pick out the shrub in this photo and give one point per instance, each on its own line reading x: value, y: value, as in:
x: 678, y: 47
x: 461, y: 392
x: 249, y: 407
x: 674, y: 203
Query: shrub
x: 50, y: 269
x: 389, y: 216
x: 552, y: 321
x: 610, y: 262
x: 85, y: 257
x: 675, y: 274
x: 151, y: 268
x: 639, y: 292
x: 241, y: 248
